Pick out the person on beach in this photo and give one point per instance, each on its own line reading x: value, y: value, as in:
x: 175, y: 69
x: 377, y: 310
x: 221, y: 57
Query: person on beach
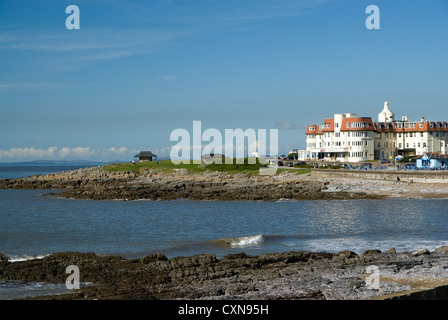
x: 398, y: 179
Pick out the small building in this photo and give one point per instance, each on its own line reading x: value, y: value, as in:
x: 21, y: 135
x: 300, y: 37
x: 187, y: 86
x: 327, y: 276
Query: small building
x: 145, y: 156
x: 432, y: 161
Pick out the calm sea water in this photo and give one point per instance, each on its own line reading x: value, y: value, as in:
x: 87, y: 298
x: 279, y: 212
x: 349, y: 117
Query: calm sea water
x: 13, y: 172
x: 34, y: 225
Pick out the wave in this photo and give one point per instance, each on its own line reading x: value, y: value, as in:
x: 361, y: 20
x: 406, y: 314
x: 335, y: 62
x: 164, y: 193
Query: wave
x: 239, y: 242
x: 25, y: 257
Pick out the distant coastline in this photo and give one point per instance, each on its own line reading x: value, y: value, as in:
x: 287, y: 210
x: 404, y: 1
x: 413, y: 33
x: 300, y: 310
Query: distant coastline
x: 56, y: 163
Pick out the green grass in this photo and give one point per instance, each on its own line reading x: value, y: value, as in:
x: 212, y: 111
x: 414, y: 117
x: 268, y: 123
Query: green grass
x: 294, y: 171
x: 168, y: 166
x: 164, y: 166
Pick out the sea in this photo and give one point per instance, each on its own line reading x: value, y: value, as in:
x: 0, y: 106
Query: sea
x: 34, y: 224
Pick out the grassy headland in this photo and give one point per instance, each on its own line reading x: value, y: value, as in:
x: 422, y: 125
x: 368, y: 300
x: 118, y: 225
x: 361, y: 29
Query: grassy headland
x: 169, y: 166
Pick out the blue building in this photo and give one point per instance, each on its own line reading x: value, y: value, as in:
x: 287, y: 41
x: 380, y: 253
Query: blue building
x: 431, y: 161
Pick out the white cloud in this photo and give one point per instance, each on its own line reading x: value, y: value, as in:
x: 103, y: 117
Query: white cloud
x: 67, y: 153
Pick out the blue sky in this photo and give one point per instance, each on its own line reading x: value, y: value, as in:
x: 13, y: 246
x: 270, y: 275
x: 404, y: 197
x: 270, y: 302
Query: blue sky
x: 137, y: 70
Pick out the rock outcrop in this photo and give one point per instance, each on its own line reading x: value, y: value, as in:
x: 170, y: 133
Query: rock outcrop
x: 98, y: 184
x: 288, y: 275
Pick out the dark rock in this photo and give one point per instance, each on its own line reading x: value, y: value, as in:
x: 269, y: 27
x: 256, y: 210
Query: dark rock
x: 370, y: 253
x: 3, y: 258
x: 347, y: 254
x: 153, y: 258
x: 233, y: 256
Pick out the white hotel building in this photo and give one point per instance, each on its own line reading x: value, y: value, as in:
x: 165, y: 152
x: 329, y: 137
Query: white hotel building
x: 349, y: 138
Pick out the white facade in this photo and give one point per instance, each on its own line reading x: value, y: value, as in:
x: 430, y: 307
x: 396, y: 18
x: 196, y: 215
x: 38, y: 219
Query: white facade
x: 349, y: 138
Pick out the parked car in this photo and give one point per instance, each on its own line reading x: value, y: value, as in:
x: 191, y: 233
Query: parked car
x: 410, y: 166
x: 301, y: 163
x: 289, y: 164
x: 280, y: 163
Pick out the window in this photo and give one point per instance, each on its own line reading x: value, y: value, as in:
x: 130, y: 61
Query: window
x: 399, y: 135
x: 399, y: 146
x: 421, y: 134
x: 424, y: 144
x: 420, y: 125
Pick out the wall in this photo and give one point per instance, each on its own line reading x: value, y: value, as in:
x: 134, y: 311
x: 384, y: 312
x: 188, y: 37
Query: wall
x: 417, y: 176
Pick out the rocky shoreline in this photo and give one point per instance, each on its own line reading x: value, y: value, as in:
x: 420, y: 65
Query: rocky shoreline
x: 277, y: 276
x: 98, y: 184
x: 95, y: 183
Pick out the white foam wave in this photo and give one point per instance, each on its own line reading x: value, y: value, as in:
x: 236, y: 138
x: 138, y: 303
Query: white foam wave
x: 241, y: 242
x: 25, y: 257
x: 248, y: 241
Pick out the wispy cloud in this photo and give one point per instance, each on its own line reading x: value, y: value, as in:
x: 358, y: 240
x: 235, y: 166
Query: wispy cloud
x: 30, y: 85
x: 74, y: 50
